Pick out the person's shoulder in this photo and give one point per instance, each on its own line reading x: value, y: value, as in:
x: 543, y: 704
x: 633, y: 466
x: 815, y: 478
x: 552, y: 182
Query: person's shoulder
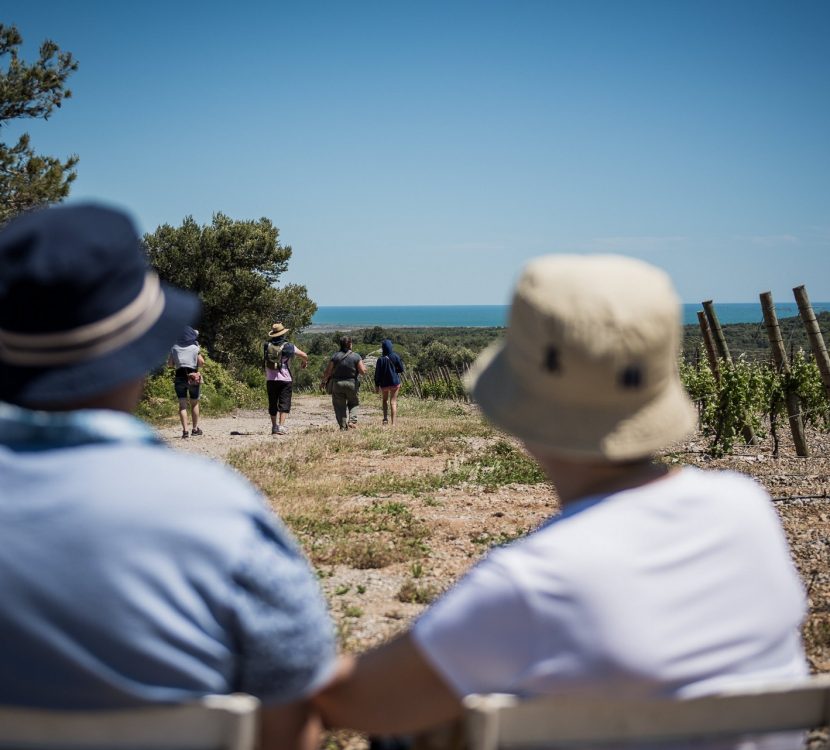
x: 144, y: 465
x: 726, y: 481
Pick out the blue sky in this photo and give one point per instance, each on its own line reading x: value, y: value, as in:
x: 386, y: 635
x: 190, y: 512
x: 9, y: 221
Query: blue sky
x: 419, y: 153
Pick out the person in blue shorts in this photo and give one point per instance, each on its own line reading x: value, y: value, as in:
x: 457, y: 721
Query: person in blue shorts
x: 388, y: 371
x: 133, y: 574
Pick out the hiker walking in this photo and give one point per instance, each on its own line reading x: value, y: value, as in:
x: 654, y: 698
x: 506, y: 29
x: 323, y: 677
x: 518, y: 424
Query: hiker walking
x: 341, y: 380
x: 187, y: 380
x: 388, y: 369
x: 276, y: 356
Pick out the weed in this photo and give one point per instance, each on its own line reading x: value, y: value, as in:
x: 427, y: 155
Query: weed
x: 412, y: 593
x: 361, y: 589
x: 504, y: 463
x: 486, y: 539
x: 352, y: 611
x: 417, y: 570
x: 342, y: 589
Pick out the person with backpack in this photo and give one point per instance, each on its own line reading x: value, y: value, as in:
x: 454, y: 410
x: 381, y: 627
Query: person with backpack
x: 187, y: 380
x: 277, y: 354
x: 388, y: 371
x: 342, y: 380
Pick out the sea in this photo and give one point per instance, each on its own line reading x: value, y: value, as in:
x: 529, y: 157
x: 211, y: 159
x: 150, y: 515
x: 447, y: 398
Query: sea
x: 488, y: 316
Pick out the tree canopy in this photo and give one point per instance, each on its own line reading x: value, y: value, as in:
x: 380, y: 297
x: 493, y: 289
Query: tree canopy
x: 28, y: 179
x: 233, y: 267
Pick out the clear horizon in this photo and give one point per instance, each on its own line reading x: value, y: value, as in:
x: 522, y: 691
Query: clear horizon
x: 421, y: 154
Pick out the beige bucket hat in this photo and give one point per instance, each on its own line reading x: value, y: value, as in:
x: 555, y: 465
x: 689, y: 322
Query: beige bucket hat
x: 278, y: 329
x: 588, y: 365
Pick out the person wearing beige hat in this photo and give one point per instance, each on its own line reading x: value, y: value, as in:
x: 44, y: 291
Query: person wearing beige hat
x: 277, y: 354
x: 650, y: 580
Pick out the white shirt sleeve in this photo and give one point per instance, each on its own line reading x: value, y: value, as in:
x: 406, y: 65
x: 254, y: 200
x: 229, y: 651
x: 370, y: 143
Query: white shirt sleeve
x: 480, y: 636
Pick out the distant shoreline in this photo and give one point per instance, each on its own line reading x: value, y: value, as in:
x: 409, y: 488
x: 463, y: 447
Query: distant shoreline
x: 410, y: 317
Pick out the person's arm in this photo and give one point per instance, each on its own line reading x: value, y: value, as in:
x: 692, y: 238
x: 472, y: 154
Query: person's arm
x: 285, y: 636
x: 303, y: 357
x: 170, y: 361
x: 327, y: 373
x: 294, y: 726
x: 361, y: 368
x: 200, y: 360
x: 390, y: 690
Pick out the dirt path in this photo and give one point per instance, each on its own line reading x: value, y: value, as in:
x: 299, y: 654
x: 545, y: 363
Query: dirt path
x: 243, y: 428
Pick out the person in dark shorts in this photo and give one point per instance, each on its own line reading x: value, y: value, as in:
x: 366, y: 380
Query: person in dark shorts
x: 388, y: 371
x: 187, y: 380
x: 277, y: 353
x: 341, y: 380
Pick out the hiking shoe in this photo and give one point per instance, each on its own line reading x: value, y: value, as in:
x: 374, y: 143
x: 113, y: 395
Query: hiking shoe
x: 275, y: 430
x: 281, y: 430
x: 197, y: 431
x: 385, y: 421
x: 185, y: 434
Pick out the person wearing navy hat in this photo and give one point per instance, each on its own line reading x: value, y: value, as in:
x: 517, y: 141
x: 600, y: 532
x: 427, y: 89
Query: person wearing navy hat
x: 129, y: 586
x: 186, y: 360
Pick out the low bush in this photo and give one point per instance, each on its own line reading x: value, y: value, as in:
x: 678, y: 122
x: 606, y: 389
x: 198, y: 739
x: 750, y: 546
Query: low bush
x: 221, y: 393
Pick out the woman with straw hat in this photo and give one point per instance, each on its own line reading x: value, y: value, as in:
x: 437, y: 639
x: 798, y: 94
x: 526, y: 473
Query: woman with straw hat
x: 277, y: 354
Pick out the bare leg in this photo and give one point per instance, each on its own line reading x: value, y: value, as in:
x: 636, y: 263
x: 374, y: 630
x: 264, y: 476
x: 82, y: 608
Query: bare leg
x: 282, y: 418
x: 183, y: 413
x: 393, y: 404
x: 194, y: 411
x: 385, y: 403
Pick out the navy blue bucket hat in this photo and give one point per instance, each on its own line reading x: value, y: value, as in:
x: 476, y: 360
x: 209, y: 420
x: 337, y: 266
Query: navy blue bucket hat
x: 80, y: 310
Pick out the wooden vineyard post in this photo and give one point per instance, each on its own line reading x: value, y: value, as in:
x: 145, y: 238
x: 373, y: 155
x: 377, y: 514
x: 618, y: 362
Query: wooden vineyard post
x: 717, y: 331
x: 723, y: 351
x: 779, y: 357
x: 709, y: 344
x: 817, y: 344
x: 459, y: 373
x: 445, y: 373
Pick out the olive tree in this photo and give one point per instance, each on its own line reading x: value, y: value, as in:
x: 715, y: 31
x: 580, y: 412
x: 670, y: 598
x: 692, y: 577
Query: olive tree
x: 233, y: 266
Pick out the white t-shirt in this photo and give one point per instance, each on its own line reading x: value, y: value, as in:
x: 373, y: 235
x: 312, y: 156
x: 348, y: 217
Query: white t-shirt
x: 681, y: 587
x: 185, y: 356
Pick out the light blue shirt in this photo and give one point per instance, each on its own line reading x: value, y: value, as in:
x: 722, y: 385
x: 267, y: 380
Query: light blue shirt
x: 131, y: 574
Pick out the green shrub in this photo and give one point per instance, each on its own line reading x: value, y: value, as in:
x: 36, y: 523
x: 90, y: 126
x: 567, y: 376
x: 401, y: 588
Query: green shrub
x: 221, y: 393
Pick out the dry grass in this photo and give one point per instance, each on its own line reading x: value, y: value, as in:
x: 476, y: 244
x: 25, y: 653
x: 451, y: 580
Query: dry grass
x: 348, y: 495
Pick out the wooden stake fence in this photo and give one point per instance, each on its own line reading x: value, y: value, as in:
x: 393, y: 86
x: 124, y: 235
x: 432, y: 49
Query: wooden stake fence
x: 440, y: 377
x: 723, y: 350
x: 817, y: 344
x: 709, y: 344
x: 779, y: 357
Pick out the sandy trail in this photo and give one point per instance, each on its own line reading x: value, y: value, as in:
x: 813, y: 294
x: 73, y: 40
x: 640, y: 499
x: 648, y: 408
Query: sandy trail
x: 246, y: 427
